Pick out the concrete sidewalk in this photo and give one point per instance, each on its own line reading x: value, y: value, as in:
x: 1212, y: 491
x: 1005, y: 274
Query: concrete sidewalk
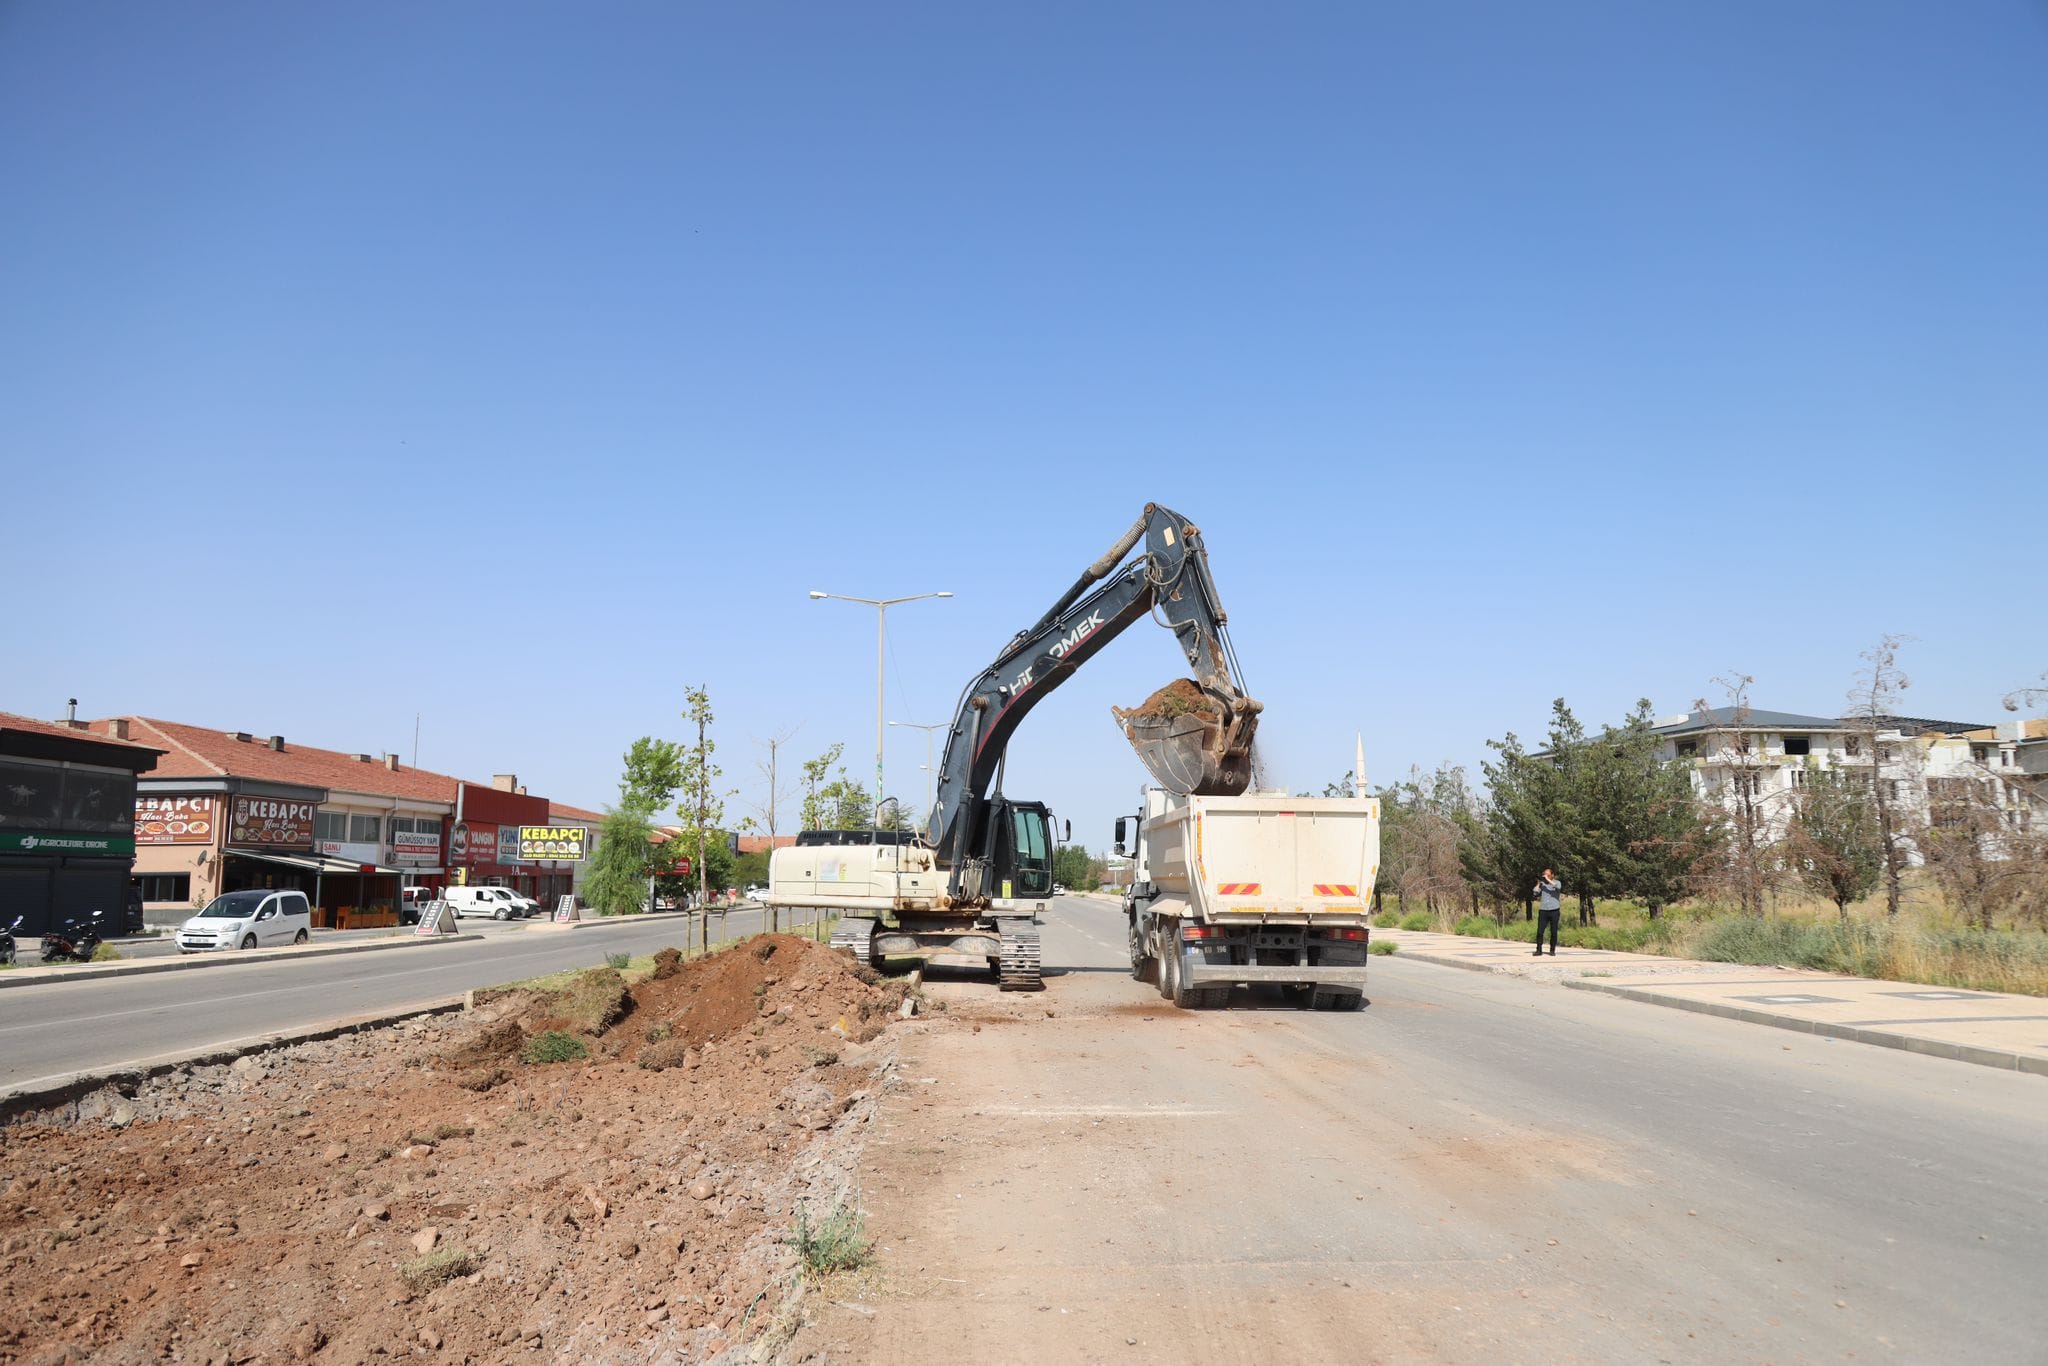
x: 1989, y: 1028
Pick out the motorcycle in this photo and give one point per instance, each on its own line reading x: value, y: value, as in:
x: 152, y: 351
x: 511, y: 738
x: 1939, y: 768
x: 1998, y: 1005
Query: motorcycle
x: 7, y: 940
x: 58, y: 945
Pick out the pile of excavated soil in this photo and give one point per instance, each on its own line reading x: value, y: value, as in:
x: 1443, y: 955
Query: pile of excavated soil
x: 1178, y: 698
x: 422, y: 1190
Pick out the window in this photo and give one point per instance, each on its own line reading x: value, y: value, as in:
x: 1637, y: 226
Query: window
x: 1852, y: 745
x: 1887, y: 754
x: 166, y: 886
x: 1798, y: 777
x: 1798, y: 745
x: 1688, y: 748
x: 364, y: 829
x: 1894, y: 787
x: 330, y: 825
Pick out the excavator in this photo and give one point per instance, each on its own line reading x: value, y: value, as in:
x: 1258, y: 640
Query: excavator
x: 971, y: 886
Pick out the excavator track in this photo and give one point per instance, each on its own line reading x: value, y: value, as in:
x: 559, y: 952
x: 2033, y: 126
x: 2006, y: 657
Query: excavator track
x: 857, y: 937
x: 1019, y: 962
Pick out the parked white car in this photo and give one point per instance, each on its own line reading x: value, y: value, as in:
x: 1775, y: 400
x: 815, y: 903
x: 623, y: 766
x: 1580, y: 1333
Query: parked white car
x: 499, y: 903
x: 257, y: 918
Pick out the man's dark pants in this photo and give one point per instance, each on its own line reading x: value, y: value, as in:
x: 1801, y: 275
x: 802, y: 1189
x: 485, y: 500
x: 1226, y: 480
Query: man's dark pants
x: 1548, y: 920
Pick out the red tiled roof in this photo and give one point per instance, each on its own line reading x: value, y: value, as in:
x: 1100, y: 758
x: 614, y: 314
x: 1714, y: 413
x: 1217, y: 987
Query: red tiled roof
x: 566, y: 812
x: 30, y: 726
x: 195, y: 752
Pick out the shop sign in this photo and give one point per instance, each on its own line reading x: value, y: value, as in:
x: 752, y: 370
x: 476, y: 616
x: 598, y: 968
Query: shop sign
x: 44, y: 842
x: 175, y: 820
x: 415, y: 848
x: 350, y: 851
x: 508, y: 844
x: 563, y: 842
x: 473, y: 842
x: 272, y: 822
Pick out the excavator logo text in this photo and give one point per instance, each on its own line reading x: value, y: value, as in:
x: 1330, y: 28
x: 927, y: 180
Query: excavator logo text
x: 1074, y: 637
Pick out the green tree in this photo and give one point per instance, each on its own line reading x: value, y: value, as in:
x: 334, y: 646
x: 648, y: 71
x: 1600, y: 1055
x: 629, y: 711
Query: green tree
x: 1835, y: 845
x: 1071, y: 865
x: 701, y: 813
x: 1650, y: 823
x: 654, y: 770
x: 815, y: 772
x: 616, y: 883
x: 1518, y: 820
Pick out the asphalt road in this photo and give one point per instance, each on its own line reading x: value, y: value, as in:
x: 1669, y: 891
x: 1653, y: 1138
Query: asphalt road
x: 1474, y: 1168
x: 59, y: 1027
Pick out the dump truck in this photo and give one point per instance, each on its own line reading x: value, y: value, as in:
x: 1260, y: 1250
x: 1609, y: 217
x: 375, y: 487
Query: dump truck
x: 1258, y: 889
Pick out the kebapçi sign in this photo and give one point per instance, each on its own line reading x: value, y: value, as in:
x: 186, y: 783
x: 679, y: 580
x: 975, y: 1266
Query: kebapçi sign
x: 174, y: 820
x: 563, y: 842
x: 271, y: 823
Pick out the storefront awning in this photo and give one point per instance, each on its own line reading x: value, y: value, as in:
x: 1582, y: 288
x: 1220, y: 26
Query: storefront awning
x: 320, y: 863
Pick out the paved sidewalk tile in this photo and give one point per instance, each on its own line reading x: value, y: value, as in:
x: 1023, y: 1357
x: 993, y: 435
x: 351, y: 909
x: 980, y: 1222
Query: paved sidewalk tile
x: 1987, y: 1027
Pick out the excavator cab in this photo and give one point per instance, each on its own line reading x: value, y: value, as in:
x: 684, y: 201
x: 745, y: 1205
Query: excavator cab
x: 1021, y: 850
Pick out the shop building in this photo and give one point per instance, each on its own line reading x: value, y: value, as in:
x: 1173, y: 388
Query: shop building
x: 566, y: 875
x: 66, y: 847
x: 228, y: 810
x: 483, y: 838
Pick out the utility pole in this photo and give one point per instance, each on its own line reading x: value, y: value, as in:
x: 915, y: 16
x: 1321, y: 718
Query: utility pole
x: 703, y: 814
x: 773, y: 743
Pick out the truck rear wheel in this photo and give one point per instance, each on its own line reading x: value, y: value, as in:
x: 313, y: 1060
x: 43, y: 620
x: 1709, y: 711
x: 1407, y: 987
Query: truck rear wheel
x: 1335, y: 998
x: 1178, y: 990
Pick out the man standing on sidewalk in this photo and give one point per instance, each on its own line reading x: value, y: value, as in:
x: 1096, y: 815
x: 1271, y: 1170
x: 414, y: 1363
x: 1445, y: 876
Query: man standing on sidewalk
x: 1550, y: 894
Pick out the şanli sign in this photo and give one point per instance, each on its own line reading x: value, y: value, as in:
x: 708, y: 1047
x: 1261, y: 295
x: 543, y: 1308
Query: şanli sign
x: 271, y: 823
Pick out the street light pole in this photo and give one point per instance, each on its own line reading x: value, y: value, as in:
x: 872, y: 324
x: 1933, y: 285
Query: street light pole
x: 881, y: 606
x: 930, y: 781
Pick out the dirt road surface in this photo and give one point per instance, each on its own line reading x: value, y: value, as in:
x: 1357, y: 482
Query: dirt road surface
x: 1470, y: 1170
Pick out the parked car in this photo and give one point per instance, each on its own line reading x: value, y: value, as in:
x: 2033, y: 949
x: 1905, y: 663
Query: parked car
x: 411, y: 901
x: 1059, y: 889
x: 260, y: 917
x: 499, y: 903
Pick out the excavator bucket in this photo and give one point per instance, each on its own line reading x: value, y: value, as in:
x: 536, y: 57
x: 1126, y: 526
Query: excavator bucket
x: 1194, y: 740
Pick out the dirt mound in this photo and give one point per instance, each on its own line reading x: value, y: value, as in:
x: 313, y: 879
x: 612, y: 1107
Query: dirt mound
x: 356, y: 1198
x: 1181, y: 697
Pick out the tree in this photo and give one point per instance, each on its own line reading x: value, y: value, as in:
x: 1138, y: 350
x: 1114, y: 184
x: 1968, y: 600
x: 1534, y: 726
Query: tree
x: 653, y: 773
x: 1873, y: 707
x: 616, y: 882
x: 702, y: 811
x: 1519, y: 837
x: 813, y: 783
x: 1071, y: 865
x: 1651, y: 825
x: 1747, y: 865
x: 1834, y: 845
x: 1980, y: 854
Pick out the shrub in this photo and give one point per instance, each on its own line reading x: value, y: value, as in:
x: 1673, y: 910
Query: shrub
x: 838, y: 1244
x: 1479, y: 926
x: 1417, y: 920
x: 1386, y: 920
x: 1382, y: 946
x: 554, y: 1046
x: 422, y: 1274
x: 617, y: 961
x: 107, y: 953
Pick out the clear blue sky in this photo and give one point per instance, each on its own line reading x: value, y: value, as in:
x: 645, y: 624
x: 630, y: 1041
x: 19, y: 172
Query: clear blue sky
x: 518, y: 365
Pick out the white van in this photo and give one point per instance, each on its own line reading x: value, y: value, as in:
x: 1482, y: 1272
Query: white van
x: 259, y: 918
x: 499, y: 903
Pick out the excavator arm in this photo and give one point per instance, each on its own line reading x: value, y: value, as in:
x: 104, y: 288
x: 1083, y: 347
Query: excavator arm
x: 1200, y: 744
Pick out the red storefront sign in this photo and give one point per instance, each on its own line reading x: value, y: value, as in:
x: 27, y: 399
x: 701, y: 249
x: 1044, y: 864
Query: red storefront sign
x: 471, y: 843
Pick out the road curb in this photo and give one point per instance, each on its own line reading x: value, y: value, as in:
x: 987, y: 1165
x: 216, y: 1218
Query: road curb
x: 47, y: 1093
x: 1910, y: 1043
x: 1401, y: 950
x: 89, y: 972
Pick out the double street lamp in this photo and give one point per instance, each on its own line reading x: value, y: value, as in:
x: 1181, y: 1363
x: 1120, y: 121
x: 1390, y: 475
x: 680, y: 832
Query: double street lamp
x: 881, y: 606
